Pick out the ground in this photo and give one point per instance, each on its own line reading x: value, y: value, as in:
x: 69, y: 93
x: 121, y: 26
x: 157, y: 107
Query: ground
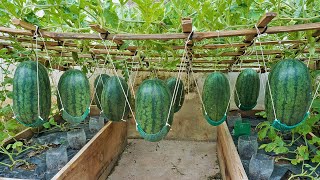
x: 167, y: 160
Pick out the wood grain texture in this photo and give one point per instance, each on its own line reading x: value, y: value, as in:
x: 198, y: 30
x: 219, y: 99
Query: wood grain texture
x: 234, y: 167
x: 196, y: 36
x: 97, y: 157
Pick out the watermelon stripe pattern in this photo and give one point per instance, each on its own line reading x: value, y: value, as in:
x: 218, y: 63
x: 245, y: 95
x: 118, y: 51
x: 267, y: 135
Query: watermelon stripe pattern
x: 290, y: 85
x: 216, y: 96
x: 247, y: 89
x: 100, y: 81
x: 113, y: 100
x: 179, y: 98
x: 25, y: 94
x: 74, y: 92
x: 152, y: 105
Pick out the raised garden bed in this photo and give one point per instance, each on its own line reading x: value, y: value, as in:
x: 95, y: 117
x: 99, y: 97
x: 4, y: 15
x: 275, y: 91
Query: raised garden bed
x: 96, y: 158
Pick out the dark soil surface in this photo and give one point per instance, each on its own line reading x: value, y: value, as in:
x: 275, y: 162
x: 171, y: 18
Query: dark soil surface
x: 37, y: 168
x: 282, y: 169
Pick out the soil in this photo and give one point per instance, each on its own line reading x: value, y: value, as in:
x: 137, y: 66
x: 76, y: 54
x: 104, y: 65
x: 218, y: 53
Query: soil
x: 37, y: 169
x: 167, y: 159
x: 282, y: 169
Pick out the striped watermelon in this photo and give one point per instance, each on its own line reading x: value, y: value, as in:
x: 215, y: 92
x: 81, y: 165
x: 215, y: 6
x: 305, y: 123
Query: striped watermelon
x: 25, y: 94
x: 113, y: 101
x: 102, y: 79
x: 216, y: 95
x: 74, y: 92
x: 179, y: 98
x: 247, y: 88
x: 152, y: 105
x: 290, y: 86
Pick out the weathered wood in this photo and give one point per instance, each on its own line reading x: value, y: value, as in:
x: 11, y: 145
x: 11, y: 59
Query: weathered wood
x: 134, y: 48
x: 104, y: 32
x: 172, y: 36
x: 263, y: 22
x: 231, y: 157
x: 222, y: 164
x: 103, y: 51
x: 93, y: 160
x: 186, y: 24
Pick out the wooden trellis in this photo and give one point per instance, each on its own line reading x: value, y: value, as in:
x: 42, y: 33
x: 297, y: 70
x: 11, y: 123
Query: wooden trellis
x: 62, y: 45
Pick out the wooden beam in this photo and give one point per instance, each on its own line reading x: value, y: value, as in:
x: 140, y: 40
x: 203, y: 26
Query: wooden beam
x: 263, y: 22
x: 134, y: 48
x: 31, y: 27
x: 104, y: 32
x: 172, y: 36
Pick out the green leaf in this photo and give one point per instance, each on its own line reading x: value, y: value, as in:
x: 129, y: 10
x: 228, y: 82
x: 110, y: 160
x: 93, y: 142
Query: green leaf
x: 263, y: 132
x: 75, y: 56
x: 8, y: 146
x: 47, y: 125
x: 281, y: 150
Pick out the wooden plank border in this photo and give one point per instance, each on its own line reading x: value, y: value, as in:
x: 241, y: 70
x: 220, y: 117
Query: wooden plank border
x: 230, y: 163
x: 97, y: 158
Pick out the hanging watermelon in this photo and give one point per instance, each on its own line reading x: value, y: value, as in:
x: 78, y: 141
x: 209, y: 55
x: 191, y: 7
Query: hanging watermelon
x: 113, y: 100
x: 290, y: 86
x: 74, y: 92
x: 215, y: 96
x: 179, y: 98
x: 247, y: 89
x: 25, y: 94
x: 153, y: 100
x: 99, y: 83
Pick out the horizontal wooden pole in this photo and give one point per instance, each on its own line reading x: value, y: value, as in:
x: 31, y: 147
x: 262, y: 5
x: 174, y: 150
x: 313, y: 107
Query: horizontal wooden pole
x: 172, y: 36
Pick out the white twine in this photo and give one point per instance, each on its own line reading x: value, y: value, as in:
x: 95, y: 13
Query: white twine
x: 265, y: 66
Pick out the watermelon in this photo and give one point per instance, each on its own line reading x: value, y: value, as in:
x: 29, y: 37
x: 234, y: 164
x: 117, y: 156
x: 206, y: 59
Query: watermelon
x: 152, y: 106
x: 290, y: 85
x: 247, y: 89
x: 179, y: 97
x: 99, y: 83
x: 215, y: 96
x: 113, y: 100
x: 25, y: 94
x: 74, y: 93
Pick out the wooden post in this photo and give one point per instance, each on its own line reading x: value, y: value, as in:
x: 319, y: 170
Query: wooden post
x: 263, y: 22
x: 186, y: 24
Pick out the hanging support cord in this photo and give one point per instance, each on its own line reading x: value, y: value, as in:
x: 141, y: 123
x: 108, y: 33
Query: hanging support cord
x: 115, y: 71
x: 37, y: 59
x: 65, y: 114
x: 162, y: 133
x: 265, y: 66
x: 276, y: 123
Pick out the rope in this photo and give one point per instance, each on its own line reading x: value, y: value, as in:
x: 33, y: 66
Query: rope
x: 65, y: 114
x: 265, y: 66
x: 50, y: 64
x: 37, y: 59
x: 115, y: 71
x: 175, y: 91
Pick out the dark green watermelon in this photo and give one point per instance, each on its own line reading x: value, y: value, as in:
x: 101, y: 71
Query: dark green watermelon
x: 179, y: 97
x: 102, y: 79
x: 74, y: 92
x: 215, y: 96
x: 152, y: 105
x: 113, y: 100
x: 290, y: 86
x: 25, y: 94
x: 247, y: 88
